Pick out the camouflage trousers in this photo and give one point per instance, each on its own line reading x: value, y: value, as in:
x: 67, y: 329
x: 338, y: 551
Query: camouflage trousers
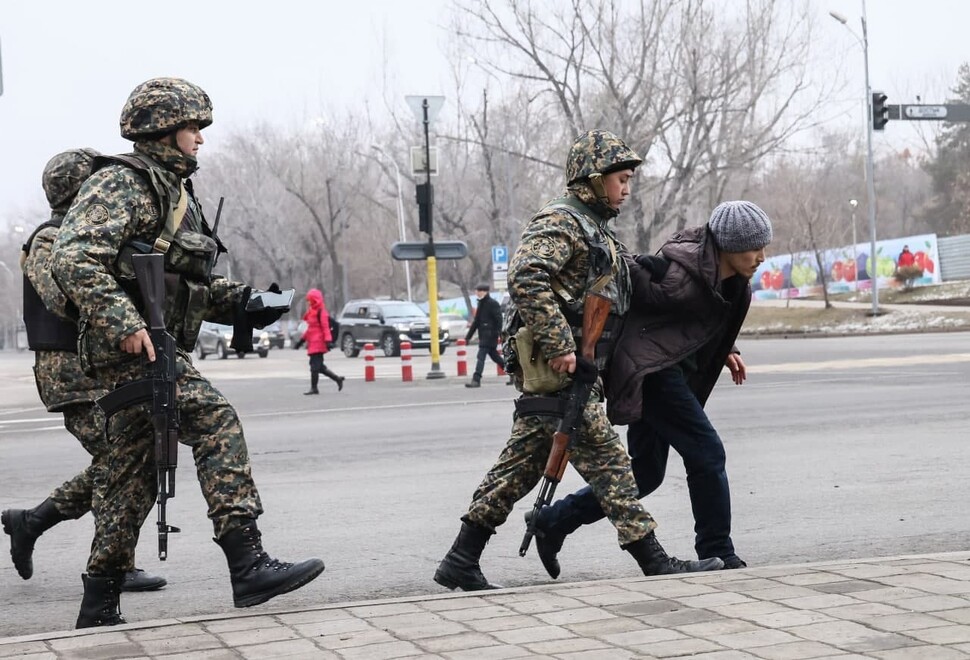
x: 85, y: 421
x: 210, y: 426
x: 597, y: 455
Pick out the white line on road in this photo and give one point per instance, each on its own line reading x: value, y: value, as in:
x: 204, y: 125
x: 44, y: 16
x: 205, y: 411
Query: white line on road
x: 860, y: 363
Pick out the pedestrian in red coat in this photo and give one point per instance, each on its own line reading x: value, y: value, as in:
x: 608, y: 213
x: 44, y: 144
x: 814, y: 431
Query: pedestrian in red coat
x: 318, y: 338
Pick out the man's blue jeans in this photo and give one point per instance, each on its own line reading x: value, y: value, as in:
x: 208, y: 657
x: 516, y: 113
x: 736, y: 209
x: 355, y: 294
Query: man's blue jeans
x: 486, y: 350
x: 672, y: 417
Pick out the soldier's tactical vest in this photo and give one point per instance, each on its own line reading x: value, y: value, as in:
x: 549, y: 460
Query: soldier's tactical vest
x: 188, y: 243
x: 46, y: 331
x: 608, y: 276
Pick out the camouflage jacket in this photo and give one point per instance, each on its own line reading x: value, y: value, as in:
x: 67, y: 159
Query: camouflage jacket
x: 115, y: 207
x: 60, y: 380
x: 554, y: 246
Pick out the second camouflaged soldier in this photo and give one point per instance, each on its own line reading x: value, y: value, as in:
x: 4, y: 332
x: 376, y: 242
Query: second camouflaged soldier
x: 62, y: 385
x: 143, y: 203
x: 566, y: 252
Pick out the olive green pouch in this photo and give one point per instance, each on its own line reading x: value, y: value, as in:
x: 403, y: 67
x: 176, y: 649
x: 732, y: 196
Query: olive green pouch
x: 537, y: 376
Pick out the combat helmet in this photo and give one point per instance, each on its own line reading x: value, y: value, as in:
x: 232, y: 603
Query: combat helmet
x: 161, y: 105
x: 598, y: 152
x: 64, y: 174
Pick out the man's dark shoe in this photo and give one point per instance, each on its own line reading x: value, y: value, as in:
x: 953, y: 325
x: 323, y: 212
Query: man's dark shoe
x: 460, y: 569
x: 733, y: 561
x: 313, y: 391
x: 101, y: 605
x: 473, y: 383
x: 256, y: 577
x: 139, y: 580
x: 653, y: 560
x: 548, y: 545
x: 24, y: 526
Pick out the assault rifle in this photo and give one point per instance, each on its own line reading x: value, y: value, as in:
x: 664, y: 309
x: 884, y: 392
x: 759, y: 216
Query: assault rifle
x: 159, y: 388
x: 596, y: 308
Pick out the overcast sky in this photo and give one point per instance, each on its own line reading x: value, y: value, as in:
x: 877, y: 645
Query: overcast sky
x: 69, y: 66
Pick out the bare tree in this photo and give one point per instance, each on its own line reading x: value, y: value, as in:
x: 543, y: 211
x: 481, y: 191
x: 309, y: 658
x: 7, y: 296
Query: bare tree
x: 700, y: 114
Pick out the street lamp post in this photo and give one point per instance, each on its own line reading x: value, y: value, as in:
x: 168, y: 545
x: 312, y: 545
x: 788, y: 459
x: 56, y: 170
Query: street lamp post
x: 13, y: 281
x: 400, y: 213
x: 870, y: 182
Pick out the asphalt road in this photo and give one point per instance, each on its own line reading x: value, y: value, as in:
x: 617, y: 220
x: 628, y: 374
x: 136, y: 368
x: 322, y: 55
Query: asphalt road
x: 837, y: 448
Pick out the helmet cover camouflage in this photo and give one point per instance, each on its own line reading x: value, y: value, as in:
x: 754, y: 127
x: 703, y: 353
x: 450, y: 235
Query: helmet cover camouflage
x: 601, y: 152
x: 64, y: 174
x: 162, y: 105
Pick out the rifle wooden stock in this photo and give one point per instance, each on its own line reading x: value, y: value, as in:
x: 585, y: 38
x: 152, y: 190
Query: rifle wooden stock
x: 596, y: 309
x: 558, y: 457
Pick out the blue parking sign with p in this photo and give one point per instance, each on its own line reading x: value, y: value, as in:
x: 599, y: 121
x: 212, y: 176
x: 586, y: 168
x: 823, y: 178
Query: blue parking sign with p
x: 500, y: 254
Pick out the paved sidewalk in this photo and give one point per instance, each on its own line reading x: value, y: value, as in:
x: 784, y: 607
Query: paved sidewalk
x: 896, y: 607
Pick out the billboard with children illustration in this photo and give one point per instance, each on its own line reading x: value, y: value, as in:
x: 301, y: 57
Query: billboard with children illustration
x: 910, y: 261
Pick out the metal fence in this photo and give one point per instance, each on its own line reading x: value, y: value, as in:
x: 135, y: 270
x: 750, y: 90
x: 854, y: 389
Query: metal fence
x: 954, y: 257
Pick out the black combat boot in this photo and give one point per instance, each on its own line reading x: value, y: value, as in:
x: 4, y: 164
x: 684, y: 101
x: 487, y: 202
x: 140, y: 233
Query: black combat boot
x: 139, y: 580
x: 101, y: 605
x: 459, y: 569
x: 24, y: 527
x: 257, y: 577
x: 654, y: 560
x: 548, y: 545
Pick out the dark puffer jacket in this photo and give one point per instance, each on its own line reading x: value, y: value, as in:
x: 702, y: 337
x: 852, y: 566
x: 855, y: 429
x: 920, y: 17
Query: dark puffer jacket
x: 686, y: 312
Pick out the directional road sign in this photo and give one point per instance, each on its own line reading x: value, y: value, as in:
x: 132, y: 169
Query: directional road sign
x: 421, y: 250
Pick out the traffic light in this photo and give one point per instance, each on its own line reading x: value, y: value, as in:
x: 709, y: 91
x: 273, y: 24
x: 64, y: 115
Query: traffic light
x: 880, y: 113
x: 425, y: 197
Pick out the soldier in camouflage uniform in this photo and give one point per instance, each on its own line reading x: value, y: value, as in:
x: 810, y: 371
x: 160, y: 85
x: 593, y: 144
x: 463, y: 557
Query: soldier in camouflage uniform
x: 142, y: 202
x: 63, y: 387
x: 567, y: 250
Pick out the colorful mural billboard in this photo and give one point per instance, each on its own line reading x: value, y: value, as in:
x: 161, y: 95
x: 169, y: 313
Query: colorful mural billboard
x: 846, y: 268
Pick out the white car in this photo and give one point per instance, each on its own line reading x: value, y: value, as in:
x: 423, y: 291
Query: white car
x: 455, y: 325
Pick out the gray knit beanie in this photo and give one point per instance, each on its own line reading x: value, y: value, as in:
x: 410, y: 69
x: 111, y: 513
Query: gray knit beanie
x: 739, y: 227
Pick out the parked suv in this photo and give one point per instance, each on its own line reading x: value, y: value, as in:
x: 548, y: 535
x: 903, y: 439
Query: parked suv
x: 385, y: 323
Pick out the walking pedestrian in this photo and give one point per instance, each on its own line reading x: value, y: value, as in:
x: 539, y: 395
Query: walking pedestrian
x: 689, y: 303
x: 566, y: 252
x: 62, y: 385
x: 143, y: 202
x: 488, y: 324
x: 318, y: 339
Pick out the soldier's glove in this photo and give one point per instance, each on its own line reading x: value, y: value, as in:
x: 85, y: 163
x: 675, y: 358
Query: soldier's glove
x: 242, y: 325
x: 654, y: 264
x: 263, y: 317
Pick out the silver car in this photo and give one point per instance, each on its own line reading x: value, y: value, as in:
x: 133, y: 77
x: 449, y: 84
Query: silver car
x: 215, y: 339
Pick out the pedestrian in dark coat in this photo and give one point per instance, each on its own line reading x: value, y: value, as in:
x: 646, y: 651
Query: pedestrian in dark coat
x: 318, y: 338
x: 488, y: 323
x: 688, y: 305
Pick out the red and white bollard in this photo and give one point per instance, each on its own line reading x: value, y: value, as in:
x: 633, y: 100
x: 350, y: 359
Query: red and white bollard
x: 498, y: 368
x: 406, y: 374
x: 369, y: 374
x: 462, y: 358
